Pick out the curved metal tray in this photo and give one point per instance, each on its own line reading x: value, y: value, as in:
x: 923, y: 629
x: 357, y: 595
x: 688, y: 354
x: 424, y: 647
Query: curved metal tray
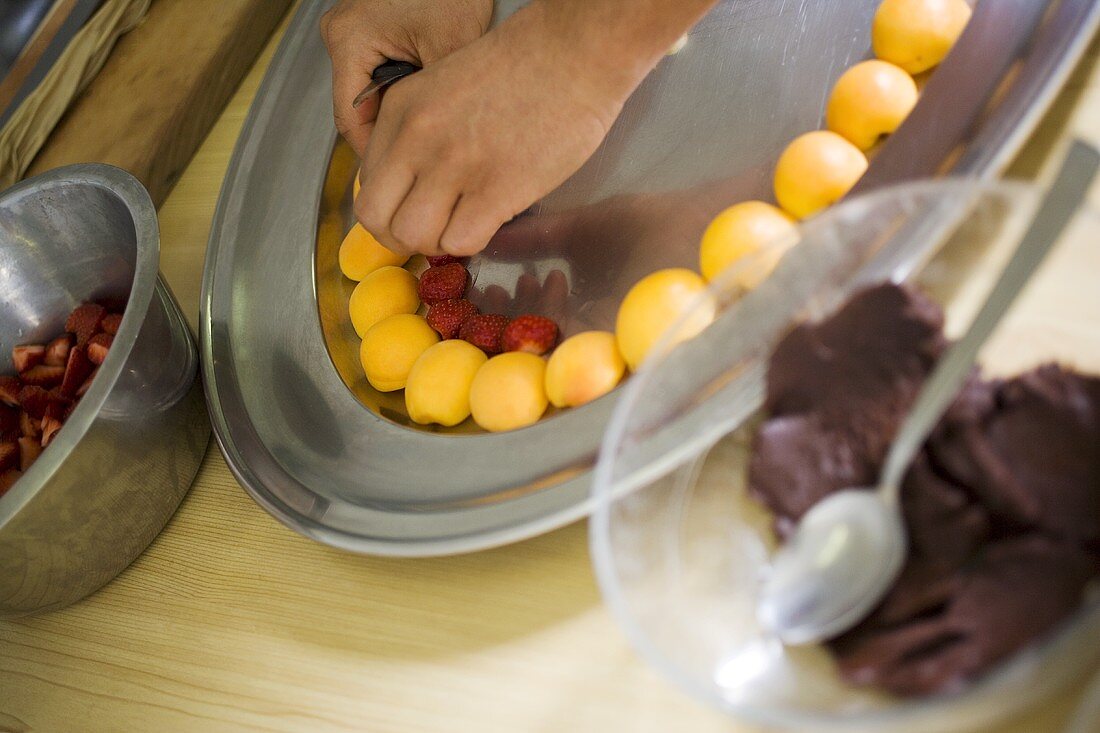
x: 702, y: 132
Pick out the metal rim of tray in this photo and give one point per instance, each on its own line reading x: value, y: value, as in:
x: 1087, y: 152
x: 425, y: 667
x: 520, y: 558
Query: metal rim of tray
x: 282, y: 156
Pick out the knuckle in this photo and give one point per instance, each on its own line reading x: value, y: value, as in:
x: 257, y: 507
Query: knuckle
x: 369, y: 215
x: 456, y: 156
x: 406, y: 231
x: 330, y: 23
x: 340, y: 23
x: 419, y: 122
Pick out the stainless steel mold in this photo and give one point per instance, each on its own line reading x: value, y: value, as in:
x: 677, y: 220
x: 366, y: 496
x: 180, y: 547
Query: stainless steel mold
x: 290, y: 409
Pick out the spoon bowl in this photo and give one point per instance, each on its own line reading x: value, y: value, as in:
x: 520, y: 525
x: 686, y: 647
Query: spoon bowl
x: 844, y: 556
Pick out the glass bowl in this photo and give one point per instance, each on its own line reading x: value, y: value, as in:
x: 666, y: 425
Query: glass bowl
x: 680, y: 549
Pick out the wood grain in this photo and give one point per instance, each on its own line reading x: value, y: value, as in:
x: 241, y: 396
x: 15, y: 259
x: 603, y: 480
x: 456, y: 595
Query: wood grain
x: 165, y: 84
x: 231, y: 622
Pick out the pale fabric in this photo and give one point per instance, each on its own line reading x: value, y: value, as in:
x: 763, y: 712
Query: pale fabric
x: 27, y: 130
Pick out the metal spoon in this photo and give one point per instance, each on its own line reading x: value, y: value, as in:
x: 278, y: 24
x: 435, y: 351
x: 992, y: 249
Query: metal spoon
x: 849, y: 548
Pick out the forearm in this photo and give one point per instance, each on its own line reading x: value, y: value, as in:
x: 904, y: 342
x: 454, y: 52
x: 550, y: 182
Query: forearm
x: 622, y: 40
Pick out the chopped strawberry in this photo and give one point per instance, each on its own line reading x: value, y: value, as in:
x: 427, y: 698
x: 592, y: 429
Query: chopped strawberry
x: 43, y: 375
x: 35, y: 400
x: 9, y: 456
x: 443, y: 283
x: 29, y: 450
x: 76, y: 371
x: 87, y: 383
x: 484, y: 332
x: 28, y: 426
x: 50, y: 426
x: 533, y: 334
x: 51, y: 422
x: 9, y: 422
x: 111, y: 323
x: 447, y: 317
x: 8, y: 479
x: 9, y: 390
x: 98, y: 347
x: 57, y: 353
x: 441, y: 260
x: 27, y: 356
x: 84, y: 321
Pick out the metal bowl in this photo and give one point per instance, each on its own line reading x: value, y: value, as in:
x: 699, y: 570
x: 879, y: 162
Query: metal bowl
x: 119, y: 467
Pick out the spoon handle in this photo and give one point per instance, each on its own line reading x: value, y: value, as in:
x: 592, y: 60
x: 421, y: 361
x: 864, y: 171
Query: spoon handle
x: 1057, y: 208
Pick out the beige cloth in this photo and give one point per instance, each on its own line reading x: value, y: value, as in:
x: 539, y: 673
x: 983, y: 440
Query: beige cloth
x: 29, y: 127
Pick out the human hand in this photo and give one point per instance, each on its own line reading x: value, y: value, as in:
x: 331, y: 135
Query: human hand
x: 363, y: 34
x: 469, y: 142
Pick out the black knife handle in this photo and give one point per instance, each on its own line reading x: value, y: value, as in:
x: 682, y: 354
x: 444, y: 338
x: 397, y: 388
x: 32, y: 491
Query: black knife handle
x: 391, y: 71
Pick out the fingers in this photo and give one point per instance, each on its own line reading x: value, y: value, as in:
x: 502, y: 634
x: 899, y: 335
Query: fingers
x: 412, y: 189
x: 419, y: 222
x: 382, y: 193
x: 408, y: 212
x: 476, y: 218
x: 425, y: 214
x: 353, y: 62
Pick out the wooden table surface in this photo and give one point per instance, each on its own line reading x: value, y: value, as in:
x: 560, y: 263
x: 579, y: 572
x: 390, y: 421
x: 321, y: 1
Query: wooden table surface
x: 231, y: 622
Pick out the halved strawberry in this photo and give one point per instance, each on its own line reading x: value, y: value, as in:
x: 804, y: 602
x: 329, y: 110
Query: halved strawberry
x: 57, y: 352
x: 27, y: 356
x: 9, y: 390
x: 484, y: 332
x: 8, y: 479
x: 447, y: 317
x: 76, y: 371
x: 443, y: 283
x: 111, y: 323
x: 9, y: 455
x: 43, y: 375
x: 98, y: 347
x: 84, y: 321
x: 87, y: 383
x: 35, y: 400
x: 29, y: 427
x: 29, y: 450
x: 533, y: 334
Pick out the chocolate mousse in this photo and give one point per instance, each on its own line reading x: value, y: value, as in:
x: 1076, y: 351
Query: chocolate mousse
x: 1002, y: 504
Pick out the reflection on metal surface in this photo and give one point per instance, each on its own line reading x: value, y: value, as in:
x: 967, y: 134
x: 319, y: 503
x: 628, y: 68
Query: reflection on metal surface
x: 703, y: 131
x: 19, y: 19
x: 29, y: 17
